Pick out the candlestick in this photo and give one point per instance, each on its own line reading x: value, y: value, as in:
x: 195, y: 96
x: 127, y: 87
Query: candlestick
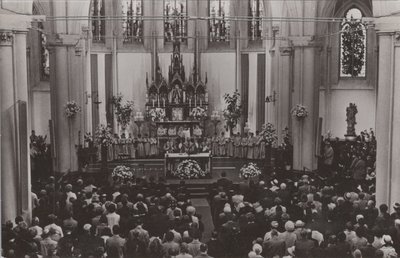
x: 158, y: 101
x: 163, y: 102
x: 190, y: 102
x: 153, y: 102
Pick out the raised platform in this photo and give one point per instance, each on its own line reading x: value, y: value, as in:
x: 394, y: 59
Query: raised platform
x: 155, y: 168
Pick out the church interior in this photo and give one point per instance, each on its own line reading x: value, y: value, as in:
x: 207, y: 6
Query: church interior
x: 131, y: 95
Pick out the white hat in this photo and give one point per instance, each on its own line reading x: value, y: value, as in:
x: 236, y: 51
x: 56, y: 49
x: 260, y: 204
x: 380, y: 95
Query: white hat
x: 386, y: 239
x: 257, y: 247
x: 227, y: 209
x: 359, y: 216
x: 87, y: 227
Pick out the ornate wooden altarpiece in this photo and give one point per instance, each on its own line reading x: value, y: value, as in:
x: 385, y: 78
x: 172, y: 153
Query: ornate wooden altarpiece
x: 176, y: 98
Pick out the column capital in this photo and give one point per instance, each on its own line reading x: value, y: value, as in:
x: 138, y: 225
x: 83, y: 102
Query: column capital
x: 387, y: 25
x: 304, y: 41
x: 286, y: 51
x: 63, y: 40
x: 6, y: 38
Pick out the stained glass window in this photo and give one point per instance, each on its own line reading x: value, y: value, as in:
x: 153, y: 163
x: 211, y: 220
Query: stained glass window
x: 256, y: 12
x: 175, y: 17
x: 219, y: 25
x: 132, y: 24
x: 353, y: 45
x: 98, y: 20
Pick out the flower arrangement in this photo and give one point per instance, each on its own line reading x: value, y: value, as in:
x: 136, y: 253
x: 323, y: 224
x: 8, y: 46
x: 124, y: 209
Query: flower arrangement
x: 122, y: 172
x: 156, y: 114
x: 71, y: 109
x: 299, y: 111
x: 233, y: 110
x: 123, y: 111
x: 268, y: 133
x: 249, y: 171
x: 103, y: 135
x: 198, y: 113
x: 188, y: 169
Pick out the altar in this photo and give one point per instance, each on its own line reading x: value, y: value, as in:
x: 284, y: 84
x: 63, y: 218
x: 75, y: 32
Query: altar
x: 203, y: 159
x: 177, y: 106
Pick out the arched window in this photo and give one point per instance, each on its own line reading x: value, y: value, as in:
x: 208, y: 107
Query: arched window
x: 256, y: 12
x: 353, y: 45
x: 219, y: 25
x: 97, y: 14
x: 132, y: 24
x: 175, y: 17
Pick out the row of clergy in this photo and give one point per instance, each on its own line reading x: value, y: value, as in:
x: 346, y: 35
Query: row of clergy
x: 249, y: 146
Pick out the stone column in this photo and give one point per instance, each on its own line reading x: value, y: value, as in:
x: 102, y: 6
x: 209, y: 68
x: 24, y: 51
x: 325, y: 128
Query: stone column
x: 66, y: 84
x: 305, y: 93
x: 284, y: 91
x: 388, y: 112
x: 14, y: 121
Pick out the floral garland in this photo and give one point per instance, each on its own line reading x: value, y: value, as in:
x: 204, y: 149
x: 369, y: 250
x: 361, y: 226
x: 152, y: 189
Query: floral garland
x: 156, y: 114
x: 198, y: 113
x: 71, y: 109
x: 188, y: 169
x: 122, y: 172
x: 299, y: 111
x: 123, y: 111
x: 268, y: 133
x: 249, y: 171
x: 103, y: 135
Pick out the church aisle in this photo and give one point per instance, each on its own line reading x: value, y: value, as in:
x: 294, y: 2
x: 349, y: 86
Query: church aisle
x: 203, y: 208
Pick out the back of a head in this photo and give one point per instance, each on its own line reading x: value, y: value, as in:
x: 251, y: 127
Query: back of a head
x: 116, y: 229
x: 169, y: 236
x: 383, y: 208
x: 184, y: 248
x: 303, y: 234
x: 203, y: 248
x: 357, y: 254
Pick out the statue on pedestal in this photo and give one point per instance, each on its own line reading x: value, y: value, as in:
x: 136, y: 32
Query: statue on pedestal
x: 176, y: 95
x: 351, y: 112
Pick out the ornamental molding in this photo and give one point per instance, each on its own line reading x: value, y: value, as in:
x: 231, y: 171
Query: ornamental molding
x: 286, y: 51
x: 6, y: 37
x: 59, y: 39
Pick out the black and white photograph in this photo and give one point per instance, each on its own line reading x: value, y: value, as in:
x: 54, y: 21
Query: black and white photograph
x: 200, y: 128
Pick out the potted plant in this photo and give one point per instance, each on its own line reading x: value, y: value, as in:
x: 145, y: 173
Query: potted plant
x: 233, y: 110
x: 123, y: 111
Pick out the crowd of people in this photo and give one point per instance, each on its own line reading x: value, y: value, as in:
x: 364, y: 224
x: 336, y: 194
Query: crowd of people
x: 250, y: 146
x: 275, y: 215
x: 272, y: 217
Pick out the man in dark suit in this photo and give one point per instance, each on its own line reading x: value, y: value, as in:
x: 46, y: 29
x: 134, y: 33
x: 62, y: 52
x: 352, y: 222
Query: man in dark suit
x: 115, y: 245
x: 203, y: 252
x: 224, y: 182
x: 274, y: 246
x: 304, y: 247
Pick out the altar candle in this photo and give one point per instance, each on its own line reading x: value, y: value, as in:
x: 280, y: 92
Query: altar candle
x: 190, y: 102
x: 153, y: 102
x: 163, y: 102
x: 201, y: 102
x: 195, y: 101
x: 158, y: 101
x: 206, y: 97
x: 184, y: 97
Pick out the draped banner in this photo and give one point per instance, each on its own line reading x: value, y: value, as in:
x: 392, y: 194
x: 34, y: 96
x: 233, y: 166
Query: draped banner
x: 245, y: 87
x: 95, y: 89
x: 260, y: 91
